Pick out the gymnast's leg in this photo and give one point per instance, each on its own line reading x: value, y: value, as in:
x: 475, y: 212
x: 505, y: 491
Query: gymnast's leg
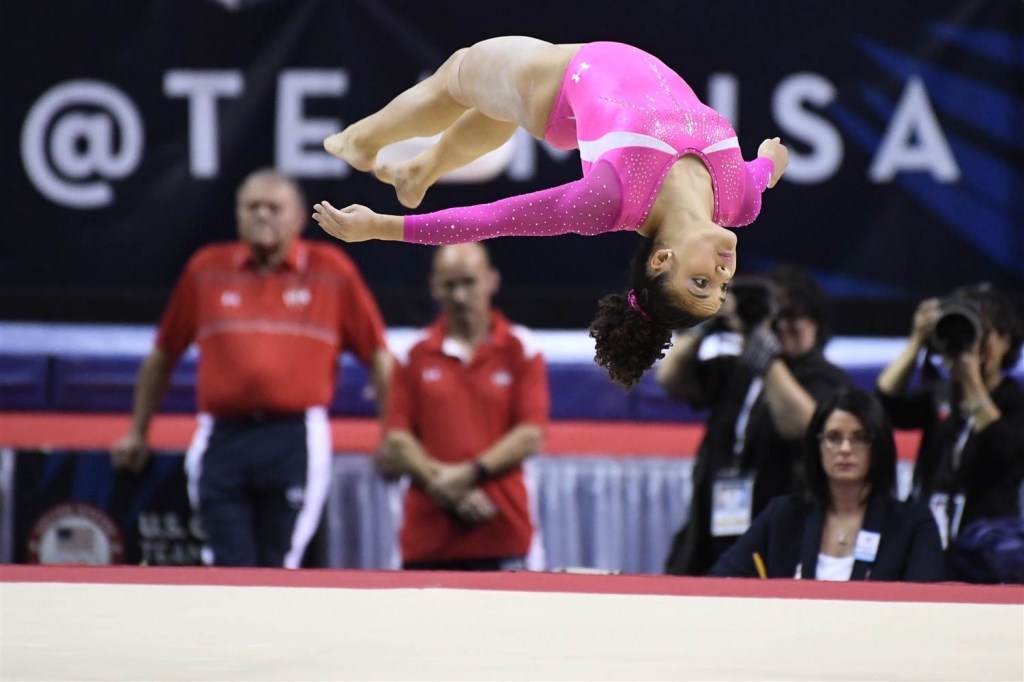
x: 469, y: 138
x: 512, y: 79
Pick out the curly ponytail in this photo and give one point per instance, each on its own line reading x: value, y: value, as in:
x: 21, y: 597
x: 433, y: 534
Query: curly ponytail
x: 630, y: 339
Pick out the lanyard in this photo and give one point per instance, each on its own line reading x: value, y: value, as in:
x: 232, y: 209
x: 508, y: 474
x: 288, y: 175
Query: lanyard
x: 743, y: 419
x: 961, y: 441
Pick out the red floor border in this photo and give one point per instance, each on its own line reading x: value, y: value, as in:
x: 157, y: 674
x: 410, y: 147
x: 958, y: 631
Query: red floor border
x: 636, y: 439
x: 950, y: 593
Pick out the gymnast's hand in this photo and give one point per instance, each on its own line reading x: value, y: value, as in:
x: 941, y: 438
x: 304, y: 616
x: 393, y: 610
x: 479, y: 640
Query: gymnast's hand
x: 357, y: 223
x: 777, y: 152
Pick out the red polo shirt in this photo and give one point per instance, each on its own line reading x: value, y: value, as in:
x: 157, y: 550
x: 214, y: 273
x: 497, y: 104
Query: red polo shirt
x: 457, y: 408
x: 269, y: 341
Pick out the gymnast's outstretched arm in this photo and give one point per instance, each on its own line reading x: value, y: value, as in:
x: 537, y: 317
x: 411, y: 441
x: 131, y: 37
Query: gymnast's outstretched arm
x: 588, y: 206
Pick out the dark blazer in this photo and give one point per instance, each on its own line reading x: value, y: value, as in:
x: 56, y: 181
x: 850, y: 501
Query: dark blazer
x: 788, y: 533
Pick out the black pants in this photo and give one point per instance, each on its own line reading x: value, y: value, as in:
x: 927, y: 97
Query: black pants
x: 259, y: 485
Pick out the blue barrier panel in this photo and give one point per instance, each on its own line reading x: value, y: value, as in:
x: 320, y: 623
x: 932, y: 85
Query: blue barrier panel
x: 583, y: 391
x: 106, y: 384
x: 24, y: 382
x: 353, y: 396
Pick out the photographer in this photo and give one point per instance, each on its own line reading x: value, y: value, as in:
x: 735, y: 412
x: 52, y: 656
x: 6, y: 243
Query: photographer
x: 761, y: 402
x: 971, y: 460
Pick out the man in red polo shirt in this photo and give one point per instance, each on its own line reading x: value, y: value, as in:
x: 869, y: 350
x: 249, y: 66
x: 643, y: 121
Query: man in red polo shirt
x: 270, y: 314
x: 466, y: 408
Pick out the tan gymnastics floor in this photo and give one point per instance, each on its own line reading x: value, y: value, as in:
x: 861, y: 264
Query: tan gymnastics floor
x: 83, y: 623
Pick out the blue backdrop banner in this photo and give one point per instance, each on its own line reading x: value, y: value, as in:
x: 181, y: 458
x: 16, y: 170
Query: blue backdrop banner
x: 126, y: 131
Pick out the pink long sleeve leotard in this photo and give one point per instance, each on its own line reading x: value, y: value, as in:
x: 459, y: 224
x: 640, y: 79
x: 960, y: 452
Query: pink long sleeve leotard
x: 631, y: 117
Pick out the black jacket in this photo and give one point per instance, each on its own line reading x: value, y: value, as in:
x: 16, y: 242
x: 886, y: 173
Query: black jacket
x: 788, y: 534
x: 991, y: 465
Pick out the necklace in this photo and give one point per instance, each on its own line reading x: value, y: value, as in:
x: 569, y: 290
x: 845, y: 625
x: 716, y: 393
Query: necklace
x: 842, y: 536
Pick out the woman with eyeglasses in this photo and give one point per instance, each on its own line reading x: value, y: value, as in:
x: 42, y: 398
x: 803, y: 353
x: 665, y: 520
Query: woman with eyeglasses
x: 849, y: 525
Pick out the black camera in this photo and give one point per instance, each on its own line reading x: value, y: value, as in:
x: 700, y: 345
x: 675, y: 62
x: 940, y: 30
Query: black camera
x: 958, y: 327
x: 755, y: 301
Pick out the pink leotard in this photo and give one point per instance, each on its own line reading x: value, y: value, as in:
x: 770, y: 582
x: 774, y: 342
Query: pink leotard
x: 631, y: 117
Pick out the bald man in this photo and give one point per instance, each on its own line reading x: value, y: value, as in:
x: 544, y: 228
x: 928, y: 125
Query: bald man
x: 467, y: 407
x: 269, y: 313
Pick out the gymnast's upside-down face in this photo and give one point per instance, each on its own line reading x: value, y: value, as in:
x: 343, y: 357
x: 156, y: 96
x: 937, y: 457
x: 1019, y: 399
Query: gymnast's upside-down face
x: 699, y: 268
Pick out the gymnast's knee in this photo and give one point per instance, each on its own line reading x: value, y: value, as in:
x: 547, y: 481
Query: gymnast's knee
x: 453, y: 65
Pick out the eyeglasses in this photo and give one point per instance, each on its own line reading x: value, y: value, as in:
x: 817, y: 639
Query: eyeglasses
x: 833, y: 440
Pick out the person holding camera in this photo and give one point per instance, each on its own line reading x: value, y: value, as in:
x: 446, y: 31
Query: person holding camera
x: 761, y: 402
x: 970, y: 463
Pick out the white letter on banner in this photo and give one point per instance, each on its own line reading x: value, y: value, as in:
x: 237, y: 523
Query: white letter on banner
x: 300, y: 140
x: 914, y: 120
x: 203, y: 88
x: 723, y: 97
x: 788, y: 107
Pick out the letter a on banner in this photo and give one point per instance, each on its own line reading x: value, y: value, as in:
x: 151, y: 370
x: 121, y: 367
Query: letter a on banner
x: 914, y: 140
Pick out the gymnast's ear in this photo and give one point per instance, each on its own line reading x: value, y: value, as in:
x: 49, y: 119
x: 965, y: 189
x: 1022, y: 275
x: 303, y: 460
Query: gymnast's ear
x: 660, y: 260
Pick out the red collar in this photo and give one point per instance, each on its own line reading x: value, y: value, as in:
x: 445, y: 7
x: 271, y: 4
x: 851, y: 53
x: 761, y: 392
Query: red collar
x: 294, y: 260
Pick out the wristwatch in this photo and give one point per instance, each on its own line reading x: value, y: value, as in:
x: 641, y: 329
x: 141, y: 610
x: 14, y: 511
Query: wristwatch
x: 482, y: 474
x: 970, y: 408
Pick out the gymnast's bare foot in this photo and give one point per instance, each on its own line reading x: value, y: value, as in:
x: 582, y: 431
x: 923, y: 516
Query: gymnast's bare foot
x: 409, y: 178
x: 347, y: 147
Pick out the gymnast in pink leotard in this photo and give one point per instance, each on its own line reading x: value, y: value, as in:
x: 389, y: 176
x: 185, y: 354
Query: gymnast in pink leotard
x: 655, y: 160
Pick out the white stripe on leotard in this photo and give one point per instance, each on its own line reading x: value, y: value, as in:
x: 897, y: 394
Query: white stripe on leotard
x: 728, y: 143
x: 592, y: 150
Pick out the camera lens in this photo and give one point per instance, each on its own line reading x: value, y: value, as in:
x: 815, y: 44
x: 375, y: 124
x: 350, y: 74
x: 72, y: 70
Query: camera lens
x: 956, y: 331
x: 754, y: 300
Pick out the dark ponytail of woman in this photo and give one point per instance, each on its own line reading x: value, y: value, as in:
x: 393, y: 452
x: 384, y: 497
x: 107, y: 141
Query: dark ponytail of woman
x: 632, y: 330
